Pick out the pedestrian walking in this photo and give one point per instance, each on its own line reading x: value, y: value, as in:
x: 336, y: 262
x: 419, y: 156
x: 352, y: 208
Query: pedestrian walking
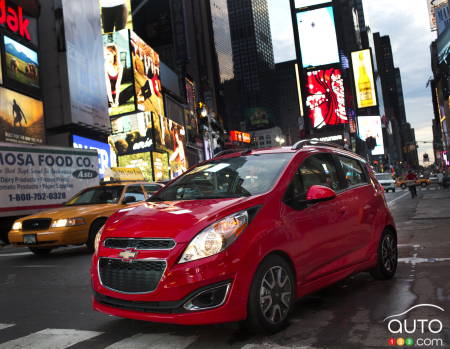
x: 412, y: 178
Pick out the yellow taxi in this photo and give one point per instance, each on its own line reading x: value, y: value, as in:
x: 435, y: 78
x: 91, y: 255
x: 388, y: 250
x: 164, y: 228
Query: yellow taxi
x: 403, y: 182
x: 79, y: 219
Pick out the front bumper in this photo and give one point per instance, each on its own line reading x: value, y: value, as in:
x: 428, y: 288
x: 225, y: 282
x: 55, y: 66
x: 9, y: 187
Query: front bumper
x: 51, y: 237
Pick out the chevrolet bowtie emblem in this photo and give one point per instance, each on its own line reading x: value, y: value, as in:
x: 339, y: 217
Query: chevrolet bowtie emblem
x: 128, y: 255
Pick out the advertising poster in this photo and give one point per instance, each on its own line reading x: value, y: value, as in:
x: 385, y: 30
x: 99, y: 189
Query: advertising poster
x: 132, y: 133
x: 22, y: 63
x: 364, y: 82
x: 147, y: 82
x: 317, y: 34
x: 191, y: 122
x: 21, y: 118
x: 103, y: 150
x: 87, y: 91
x: 325, y: 98
x: 141, y: 160
x: 33, y: 178
x: 370, y: 126
x: 115, y: 15
x: 119, y: 73
x: 161, y: 166
x: 257, y: 118
x: 307, y: 3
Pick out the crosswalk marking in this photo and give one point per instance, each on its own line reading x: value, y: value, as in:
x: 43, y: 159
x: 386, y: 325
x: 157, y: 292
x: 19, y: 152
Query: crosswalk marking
x: 154, y: 341
x: 50, y: 339
x: 3, y: 326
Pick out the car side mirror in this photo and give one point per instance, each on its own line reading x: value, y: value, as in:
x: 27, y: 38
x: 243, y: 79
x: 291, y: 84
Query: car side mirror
x: 129, y: 200
x: 319, y: 193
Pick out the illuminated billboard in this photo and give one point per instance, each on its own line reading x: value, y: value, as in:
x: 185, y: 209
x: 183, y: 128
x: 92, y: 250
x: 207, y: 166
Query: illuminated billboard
x: 21, y: 118
x: 370, y: 126
x: 147, y: 82
x: 119, y: 73
x: 103, y: 151
x: 364, y: 81
x: 141, y: 160
x: 21, y: 63
x: 258, y: 118
x: 116, y: 15
x: 238, y: 136
x: 325, y: 98
x: 317, y: 35
x: 307, y: 3
x: 132, y: 133
x: 161, y: 166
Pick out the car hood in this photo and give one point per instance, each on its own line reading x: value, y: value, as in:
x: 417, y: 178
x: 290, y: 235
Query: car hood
x: 179, y: 220
x: 73, y: 211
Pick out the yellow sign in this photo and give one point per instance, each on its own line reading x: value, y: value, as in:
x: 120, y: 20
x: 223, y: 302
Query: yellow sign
x: 364, y: 81
x: 123, y: 174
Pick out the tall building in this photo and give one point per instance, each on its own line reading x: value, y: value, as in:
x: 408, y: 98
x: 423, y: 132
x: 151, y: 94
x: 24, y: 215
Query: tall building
x: 253, y: 63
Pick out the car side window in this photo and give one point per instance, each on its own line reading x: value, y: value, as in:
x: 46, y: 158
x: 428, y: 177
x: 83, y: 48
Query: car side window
x: 151, y: 188
x: 317, y: 169
x: 353, y: 172
x: 136, y: 191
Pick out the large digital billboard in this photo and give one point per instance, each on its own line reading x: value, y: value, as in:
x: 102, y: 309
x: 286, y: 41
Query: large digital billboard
x: 116, y: 15
x: 258, y: 118
x: 21, y: 62
x: 307, y: 3
x: 141, y: 160
x: 147, y: 82
x: 161, y: 166
x: 325, y: 98
x: 21, y: 118
x: 119, y: 73
x: 103, y: 150
x: 370, y: 126
x: 317, y: 35
x: 364, y: 81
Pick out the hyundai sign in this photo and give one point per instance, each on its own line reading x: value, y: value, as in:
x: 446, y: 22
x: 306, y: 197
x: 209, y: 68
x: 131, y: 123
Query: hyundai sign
x: 103, y: 149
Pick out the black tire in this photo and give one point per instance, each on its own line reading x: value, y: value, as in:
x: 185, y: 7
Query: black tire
x: 387, y: 259
x: 393, y: 190
x: 423, y: 184
x: 40, y: 251
x: 276, y: 313
x: 403, y: 186
x: 95, y: 227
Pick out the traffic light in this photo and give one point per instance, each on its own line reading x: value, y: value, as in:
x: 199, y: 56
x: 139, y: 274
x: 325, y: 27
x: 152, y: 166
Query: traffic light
x: 371, y: 143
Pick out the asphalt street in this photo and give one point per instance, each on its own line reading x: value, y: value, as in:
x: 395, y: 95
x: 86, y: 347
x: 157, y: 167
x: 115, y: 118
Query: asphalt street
x: 45, y: 301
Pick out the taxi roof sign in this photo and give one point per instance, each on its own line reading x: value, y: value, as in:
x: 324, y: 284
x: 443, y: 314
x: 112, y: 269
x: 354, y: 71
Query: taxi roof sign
x: 123, y: 174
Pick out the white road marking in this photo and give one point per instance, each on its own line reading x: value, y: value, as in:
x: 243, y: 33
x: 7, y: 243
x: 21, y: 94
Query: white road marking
x: 154, y: 341
x: 50, y: 339
x: 15, y: 254
x: 3, y: 326
x: 400, y: 197
x: 415, y: 260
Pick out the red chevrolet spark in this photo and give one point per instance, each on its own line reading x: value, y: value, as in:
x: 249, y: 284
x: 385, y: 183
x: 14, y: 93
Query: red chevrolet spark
x: 244, y: 235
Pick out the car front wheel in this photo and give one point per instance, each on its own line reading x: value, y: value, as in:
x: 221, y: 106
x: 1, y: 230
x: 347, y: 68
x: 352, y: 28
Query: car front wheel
x: 271, y: 296
x: 387, y: 257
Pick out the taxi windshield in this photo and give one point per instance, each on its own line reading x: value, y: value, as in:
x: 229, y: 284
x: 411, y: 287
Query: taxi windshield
x: 227, y: 178
x: 97, y: 195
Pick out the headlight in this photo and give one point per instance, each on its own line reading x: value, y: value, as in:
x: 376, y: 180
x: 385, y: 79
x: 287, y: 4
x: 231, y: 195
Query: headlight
x: 68, y: 222
x: 98, y: 236
x: 17, y: 226
x: 215, y: 238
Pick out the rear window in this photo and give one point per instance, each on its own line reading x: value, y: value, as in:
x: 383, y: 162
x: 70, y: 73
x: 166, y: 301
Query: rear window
x: 383, y: 176
x: 353, y: 171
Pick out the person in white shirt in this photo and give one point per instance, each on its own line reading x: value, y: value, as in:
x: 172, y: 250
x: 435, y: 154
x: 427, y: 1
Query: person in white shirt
x: 114, y: 15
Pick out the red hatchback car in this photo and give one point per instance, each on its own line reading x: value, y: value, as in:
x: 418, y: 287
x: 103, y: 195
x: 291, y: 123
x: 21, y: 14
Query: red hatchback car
x: 242, y: 236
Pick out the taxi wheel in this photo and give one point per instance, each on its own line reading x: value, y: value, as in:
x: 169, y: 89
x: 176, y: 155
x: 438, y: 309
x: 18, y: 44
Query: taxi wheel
x: 423, y: 184
x: 40, y: 251
x: 95, y: 227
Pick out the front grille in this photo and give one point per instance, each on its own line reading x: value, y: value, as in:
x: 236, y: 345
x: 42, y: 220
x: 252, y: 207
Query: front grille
x: 36, y: 224
x: 130, y: 277
x: 140, y: 244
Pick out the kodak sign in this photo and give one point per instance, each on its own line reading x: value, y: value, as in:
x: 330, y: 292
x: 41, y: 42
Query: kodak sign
x: 13, y: 19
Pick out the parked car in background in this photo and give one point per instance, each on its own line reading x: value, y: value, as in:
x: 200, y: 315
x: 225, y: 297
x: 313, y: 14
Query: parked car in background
x: 242, y: 236
x: 386, y: 180
x: 79, y: 219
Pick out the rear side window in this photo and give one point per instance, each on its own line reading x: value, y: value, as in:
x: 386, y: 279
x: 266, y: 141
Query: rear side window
x: 136, y: 191
x: 151, y: 188
x: 354, y: 173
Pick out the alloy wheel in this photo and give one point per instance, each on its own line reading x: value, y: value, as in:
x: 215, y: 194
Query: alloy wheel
x: 275, y: 295
x: 389, y: 253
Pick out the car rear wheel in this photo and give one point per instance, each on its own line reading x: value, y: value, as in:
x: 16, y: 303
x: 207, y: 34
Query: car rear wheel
x: 387, y: 257
x: 40, y: 251
x: 271, y: 296
x: 95, y: 227
x: 423, y: 184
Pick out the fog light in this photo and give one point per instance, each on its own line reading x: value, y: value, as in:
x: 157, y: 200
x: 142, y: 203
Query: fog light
x: 208, y: 299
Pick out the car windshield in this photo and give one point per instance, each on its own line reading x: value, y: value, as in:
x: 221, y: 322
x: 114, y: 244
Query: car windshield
x: 384, y: 176
x: 97, y: 195
x: 227, y: 178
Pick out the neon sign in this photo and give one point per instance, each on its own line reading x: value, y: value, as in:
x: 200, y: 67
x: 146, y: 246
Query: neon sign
x: 14, y: 20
